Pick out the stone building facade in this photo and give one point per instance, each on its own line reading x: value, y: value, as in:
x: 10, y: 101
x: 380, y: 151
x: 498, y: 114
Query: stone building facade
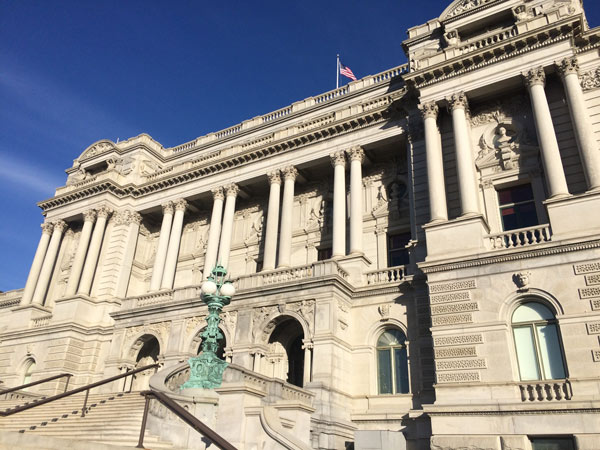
x: 418, y: 251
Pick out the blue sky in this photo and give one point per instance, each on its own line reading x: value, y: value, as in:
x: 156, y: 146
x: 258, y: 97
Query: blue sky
x: 76, y: 71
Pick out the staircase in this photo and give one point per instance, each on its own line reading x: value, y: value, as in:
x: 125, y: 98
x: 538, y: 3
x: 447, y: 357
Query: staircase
x: 113, y: 419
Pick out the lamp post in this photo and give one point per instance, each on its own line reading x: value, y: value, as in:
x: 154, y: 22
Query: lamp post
x: 206, y: 370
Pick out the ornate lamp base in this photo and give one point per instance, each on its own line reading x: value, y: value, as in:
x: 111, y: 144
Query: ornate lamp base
x: 206, y: 372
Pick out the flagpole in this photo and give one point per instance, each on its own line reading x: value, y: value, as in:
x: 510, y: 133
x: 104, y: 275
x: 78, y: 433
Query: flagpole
x: 337, y: 72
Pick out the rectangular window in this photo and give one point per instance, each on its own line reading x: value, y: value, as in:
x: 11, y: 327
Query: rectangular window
x: 384, y: 358
x: 517, y: 207
x: 397, y: 252
x: 548, y: 443
x: 526, y: 354
x: 323, y: 254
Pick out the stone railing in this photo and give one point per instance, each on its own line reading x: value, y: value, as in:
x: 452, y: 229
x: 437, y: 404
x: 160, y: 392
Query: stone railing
x: 387, y: 275
x: 154, y: 298
x: 546, y: 391
x: 10, y: 298
x: 486, y: 41
x: 291, y: 274
x: 521, y: 237
x: 40, y: 322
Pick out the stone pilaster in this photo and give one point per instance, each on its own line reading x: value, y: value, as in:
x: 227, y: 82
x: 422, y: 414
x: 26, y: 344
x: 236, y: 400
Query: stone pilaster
x: 163, y: 245
x: 272, y: 220
x: 356, y: 156
x: 38, y: 261
x: 287, y: 209
x: 43, y: 281
x: 231, y: 192
x: 338, y: 160
x: 173, y: 249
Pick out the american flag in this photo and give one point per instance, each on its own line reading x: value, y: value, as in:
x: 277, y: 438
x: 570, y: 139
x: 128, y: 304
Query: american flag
x: 347, y: 72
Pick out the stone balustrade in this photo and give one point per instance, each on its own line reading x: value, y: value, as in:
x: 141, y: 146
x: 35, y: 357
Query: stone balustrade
x: 521, y: 237
x: 10, y: 298
x: 387, y: 275
x: 40, y: 322
x: 546, y: 391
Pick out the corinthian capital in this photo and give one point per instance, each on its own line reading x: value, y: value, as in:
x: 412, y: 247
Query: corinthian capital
x: 60, y: 225
x: 180, y: 204
x: 103, y: 211
x: 356, y: 154
x: 167, y: 208
x: 218, y: 194
x: 338, y: 159
x: 568, y: 66
x: 428, y: 110
x: 535, y: 76
x: 458, y: 101
x: 274, y: 177
x: 231, y: 190
x: 89, y: 215
x: 47, y: 227
x: 289, y: 173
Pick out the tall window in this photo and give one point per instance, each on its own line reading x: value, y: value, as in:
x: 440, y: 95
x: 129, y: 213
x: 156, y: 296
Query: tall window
x: 517, y: 207
x: 397, y: 252
x: 392, y: 362
x: 537, y: 342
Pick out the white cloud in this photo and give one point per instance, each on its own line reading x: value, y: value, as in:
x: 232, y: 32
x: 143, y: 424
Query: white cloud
x: 27, y: 176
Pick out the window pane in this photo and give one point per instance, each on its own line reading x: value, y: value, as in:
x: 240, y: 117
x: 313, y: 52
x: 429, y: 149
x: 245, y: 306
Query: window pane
x: 384, y: 366
x: 526, y: 215
x: 552, y: 444
x: 389, y: 337
x: 528, y: 364
x: 397, y: 253
x: 550, y: 352
x: 515, y: 194
x: 401, y: 369
x: 531, y: 312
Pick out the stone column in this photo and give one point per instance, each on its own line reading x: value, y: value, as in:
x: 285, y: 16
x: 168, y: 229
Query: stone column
x: 48, y: 265
x: 174, y: 240
x: 586, y: 140
x: 338, y: 160
x: 535, y: 80
x: 287, y: 211
x: 163, y: 245
x: 438, y: 210
x: 38, y: 261
x: 89, y: 217
x: 308, y: 347
x: 214, y: 232
x: 272, y: 221
x: 133, y: 220
x: 231, y: 192
x: 465, y: 166
x: 357, y: 156
x: 91, y: 260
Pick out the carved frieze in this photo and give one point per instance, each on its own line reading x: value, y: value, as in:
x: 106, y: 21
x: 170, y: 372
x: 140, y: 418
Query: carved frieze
x: 592, y: 279
x: 460, y: 377
x: 450, y: 297
x: 587, y: 268
x: 452, y: 308
x: 452, y: 286
x: 593, y: 328
x: 590, y: 79
x: 459, y: 364
x: 455, y: 352
x: 589, y: 292
x: 467, y: 5
x: 451, y: 320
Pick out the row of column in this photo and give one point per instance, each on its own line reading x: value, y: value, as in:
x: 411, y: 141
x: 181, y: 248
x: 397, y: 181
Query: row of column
x: 465, y: 165
x: 84, y: 262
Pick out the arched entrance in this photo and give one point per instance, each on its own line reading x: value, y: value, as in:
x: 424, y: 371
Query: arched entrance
x: 148, y: 354
x: 285, y: 351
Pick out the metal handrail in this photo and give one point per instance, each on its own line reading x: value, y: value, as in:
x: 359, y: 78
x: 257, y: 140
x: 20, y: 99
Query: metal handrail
x: 86, y: 388
x: 184, y: 415
x: 35, y: 383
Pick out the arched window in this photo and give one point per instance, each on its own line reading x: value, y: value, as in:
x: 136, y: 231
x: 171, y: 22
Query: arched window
x: 392, y: 362
x: 28, y: 369
x: 537, y: 342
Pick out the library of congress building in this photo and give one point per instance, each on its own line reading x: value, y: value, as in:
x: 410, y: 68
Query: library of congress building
x: 415, y: 256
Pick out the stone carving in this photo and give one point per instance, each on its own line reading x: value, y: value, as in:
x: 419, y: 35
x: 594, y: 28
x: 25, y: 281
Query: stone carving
x: 127, y: 217
x: 231, y: 190
x: 467, y: 5
x: 80, y: 175
x: 452, y: 286
x: 384, y: 312
x: 458, y: 101
x: 535, y: 77
x: 451, y: 320
x: 589, y: 292
x: 461, y: 364
x: 60, y: 225
x: 47, y: 227
x: 316, y: 216
x: 430, y: 109
x: 306, y: 309
x: 522, y: 280
x: 454, y: 308
x: 89, y: 215
x: 592, y: 279
x: 455, y: 352
x: 586, y: 268
x: 338, y: 159
x: 591, y: 79
x: 255, y: 230
x: 593, y: 328
x: 356, y: 154
x: 218, y: 194
x: 596, y: 355
x: 568, y: 66
x: 103, y: 211
x: 97, y: 149
x: 167, y: 208
x: 180, y: 204
x: 160, y: 330
x: 451, y: 297
x: 193, y: 322
x: 229, y: 320
x: 148, y: 167
x: 460, y: 377
x: 521, y: 13
x: 274, y: 177
x: 289, y: 173
x: 451, y: 38
x: 595, y: 304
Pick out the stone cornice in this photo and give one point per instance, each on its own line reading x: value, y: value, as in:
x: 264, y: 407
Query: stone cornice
x: 327, y: 131
x: 492, y: 259
x: 519, y: 45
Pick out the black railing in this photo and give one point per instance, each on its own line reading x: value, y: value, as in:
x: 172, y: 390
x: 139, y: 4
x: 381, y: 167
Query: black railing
x: 184, y: 415
x: 86, y: 388
x: 35, y: 383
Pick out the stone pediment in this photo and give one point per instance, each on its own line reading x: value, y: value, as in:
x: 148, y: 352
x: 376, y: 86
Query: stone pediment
x: 98, y: 148
x: 460, y: 6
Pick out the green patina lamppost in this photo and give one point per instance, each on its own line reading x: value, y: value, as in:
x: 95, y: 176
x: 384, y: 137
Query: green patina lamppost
x: 206, y: 370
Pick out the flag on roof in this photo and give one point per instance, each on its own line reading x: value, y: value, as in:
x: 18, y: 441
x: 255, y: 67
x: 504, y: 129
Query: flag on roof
x: 346, y: 71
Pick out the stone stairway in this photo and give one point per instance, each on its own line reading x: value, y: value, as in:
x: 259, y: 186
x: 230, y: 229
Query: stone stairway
x: 113, y: 419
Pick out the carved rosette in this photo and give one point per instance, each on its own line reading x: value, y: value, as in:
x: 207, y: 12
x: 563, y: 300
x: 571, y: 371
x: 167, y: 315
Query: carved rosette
x: 167, y: 208
x: 274, y: 177
x: 535, y: 77
x: 47, y: 227
x: 231, y: 190
x: 429, y: 110
x: 60, y: 225
x: 338, y: 159
x: 356, y: 154
x: 289, y: 173
x: 180, y: 204
x: 218, y: 194
x: 89, y: 215
x: 458, y: 101
x: 568, y: 66
x: 103, y: 211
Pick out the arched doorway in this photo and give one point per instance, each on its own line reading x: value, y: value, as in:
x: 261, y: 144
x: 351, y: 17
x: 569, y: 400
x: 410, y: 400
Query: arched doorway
x: 285, y: 351
x: 147, y: 355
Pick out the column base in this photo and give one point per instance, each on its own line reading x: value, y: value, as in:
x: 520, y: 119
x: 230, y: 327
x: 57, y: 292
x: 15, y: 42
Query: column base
x: 455, y: 238
x: 574, y: 216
